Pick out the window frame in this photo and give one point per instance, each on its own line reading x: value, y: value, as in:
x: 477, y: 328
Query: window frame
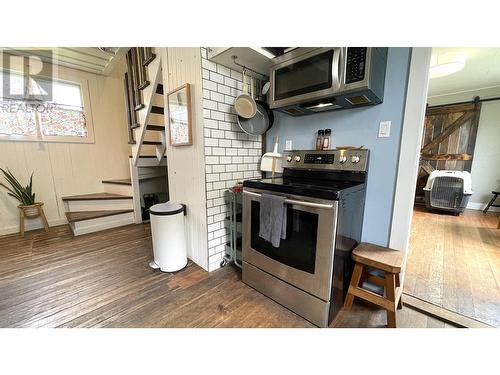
x: 84, y: 85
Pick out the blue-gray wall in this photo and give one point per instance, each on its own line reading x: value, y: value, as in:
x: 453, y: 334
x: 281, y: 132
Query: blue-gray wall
x: 360, y: 127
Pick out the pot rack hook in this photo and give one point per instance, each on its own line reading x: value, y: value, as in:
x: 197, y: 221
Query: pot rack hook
x: 245, y: 67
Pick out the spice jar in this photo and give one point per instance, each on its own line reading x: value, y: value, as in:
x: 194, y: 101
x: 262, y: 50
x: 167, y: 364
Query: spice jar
x: 319, y: 140
x: 326, y: 139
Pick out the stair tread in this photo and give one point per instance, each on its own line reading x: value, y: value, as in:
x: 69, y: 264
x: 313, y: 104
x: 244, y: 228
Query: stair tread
x: 152, y: 143
x: 74, y: 216
x: 95, y: 196
x: 155, y: 127
x: 123, y: 181
x: 157, y: 110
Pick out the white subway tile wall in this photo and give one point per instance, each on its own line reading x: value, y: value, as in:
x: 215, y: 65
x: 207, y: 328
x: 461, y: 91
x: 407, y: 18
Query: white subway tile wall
x: 230, y: 154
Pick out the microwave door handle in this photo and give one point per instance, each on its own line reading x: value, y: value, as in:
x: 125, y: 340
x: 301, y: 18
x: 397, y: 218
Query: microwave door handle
x: 336, y: 68
x: 296, y: 202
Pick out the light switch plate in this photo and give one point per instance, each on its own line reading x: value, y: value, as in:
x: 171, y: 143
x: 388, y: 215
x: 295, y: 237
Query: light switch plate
x: 384, y: 129
x: 288, y: 145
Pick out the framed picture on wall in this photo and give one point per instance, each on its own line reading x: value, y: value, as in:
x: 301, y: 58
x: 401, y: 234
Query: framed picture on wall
x: 179, y: 116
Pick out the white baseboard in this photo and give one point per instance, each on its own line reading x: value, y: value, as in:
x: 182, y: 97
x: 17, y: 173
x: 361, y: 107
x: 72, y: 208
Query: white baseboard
x: 481, y: 206
x: 31, y: 224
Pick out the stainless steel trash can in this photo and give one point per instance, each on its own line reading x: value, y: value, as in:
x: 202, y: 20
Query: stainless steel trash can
x: 169, y: 241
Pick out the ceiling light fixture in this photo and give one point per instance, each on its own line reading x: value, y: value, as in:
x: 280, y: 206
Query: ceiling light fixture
x: 446, y: 63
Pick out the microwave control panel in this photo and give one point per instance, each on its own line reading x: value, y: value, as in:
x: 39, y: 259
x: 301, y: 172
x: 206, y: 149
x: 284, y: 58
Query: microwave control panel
x: 355, y: 64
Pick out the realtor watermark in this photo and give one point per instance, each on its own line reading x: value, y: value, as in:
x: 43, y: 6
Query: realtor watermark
x: 26, y: 80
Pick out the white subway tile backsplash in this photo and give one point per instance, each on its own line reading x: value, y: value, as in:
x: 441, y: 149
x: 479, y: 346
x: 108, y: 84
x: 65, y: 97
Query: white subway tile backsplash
x: 219, y: 185
x: 213, y: 227
x: 229, y: 99
x: 217, y: 133
x: 208, y: 150
x: 213, y: 194
x: 219, y: 217
x: 224, y: 142
x: 216, y: 115
x: 213, y: 142
x: 212, y: 159
x: 242, y: 167
x: 225, y: 176
x: 206, y: 113
x: 248, y: 174
x: 236, y: 143
x: 231, y: 151
x: 229, y: 82
x: 231, y: 168
x: 225, y: 108
x: 219, y: 168
x: 229, y: 117
x: 223, y: 89
x: 216, y: 77
x: 218, y: 151
x: 224, y: 125
x: 209, y: 104
x: 206, y: 94
x: 213, y: 210
x: 208, y: 65
x: 236, y: 75
x: 223, y: 70
x: 237, y: 175
x: 216, y: 96
x: 212, y: 177
x: 209, y: 85
x: 225, y: 159
x: 241, y: 151
x: 212, y: 124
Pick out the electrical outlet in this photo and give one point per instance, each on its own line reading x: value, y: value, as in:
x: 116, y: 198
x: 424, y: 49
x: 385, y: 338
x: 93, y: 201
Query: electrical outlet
x: 384, y: 129
x: 288, y: 145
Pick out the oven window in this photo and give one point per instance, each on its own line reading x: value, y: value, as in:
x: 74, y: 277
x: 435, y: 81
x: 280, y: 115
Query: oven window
x: 308, y: 75
x: 298, y: 250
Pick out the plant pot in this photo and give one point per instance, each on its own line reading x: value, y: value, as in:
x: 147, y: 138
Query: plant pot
x: 31, y: 211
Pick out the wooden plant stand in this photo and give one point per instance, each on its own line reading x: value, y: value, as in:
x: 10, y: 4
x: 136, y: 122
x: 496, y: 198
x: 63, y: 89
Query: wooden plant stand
x: 31, y: 211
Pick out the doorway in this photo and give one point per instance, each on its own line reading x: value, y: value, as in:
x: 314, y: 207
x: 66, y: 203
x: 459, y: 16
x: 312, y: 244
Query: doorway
x: 454, y: 257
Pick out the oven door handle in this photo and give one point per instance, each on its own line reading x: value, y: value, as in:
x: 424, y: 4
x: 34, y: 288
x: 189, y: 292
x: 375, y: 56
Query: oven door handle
x: 294, y: 201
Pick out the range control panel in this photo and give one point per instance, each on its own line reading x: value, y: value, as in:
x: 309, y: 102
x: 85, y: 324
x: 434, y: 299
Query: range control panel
x: 355, y: 160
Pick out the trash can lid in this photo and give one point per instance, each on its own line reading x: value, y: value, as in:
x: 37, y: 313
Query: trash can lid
x: 168, y: 208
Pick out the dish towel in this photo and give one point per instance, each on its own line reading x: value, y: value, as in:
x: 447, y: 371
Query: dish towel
x: 272, y: 218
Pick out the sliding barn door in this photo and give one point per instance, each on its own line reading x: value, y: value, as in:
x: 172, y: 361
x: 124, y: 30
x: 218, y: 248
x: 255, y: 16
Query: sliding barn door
x: 448, y: 141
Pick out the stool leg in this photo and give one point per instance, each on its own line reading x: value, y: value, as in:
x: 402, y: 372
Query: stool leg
x: 490, y: 203
x: 21, y: 222
x: 44, y: 219
x: 390, y: 289
x: 356, y: 277
x: 398, y: 284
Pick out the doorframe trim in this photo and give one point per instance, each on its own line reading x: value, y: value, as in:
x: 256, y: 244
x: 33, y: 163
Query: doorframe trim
x: 409, y: 153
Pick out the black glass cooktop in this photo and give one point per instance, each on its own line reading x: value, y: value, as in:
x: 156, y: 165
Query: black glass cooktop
x: 326, y: 189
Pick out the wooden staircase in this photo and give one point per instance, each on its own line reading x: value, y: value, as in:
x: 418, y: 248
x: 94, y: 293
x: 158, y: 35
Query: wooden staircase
x: 88, y: 213
x: 119, y: 203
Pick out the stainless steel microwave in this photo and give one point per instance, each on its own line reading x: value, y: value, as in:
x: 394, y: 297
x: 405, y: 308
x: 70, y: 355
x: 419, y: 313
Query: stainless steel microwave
x: 311, y: 80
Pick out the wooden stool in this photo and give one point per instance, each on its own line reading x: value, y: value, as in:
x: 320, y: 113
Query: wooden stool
x: 382, y: 258
x: 31, y: 211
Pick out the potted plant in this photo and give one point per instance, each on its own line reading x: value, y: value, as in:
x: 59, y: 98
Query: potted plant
x: 24, y: 195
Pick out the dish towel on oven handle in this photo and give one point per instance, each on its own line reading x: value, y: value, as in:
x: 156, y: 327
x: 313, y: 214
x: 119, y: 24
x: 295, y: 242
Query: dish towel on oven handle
x: 273, y: 213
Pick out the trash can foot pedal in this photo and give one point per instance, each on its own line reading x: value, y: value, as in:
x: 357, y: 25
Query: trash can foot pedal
x: 153, y: 265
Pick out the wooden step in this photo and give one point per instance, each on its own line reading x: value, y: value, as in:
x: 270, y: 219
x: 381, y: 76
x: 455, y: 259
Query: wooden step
x: 143, y: 85
x: 157, y: 128
x: 149, y: 59
x: 151, y: 143
x: 139, y: 106
x: 89, y: 215
x: 95, y: 196
x: 123, y: 181
x: 157, y: 110
x: 159, y: 89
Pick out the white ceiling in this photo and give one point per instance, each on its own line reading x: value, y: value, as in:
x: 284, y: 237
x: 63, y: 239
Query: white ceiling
x: 481, y: 71
x: 88, y: 59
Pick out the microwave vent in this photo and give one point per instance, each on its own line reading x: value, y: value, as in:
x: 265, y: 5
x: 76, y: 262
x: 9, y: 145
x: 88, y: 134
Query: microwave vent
x: 358, y: 100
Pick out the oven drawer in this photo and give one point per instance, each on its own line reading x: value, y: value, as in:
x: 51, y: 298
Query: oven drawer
x: 305, y: 258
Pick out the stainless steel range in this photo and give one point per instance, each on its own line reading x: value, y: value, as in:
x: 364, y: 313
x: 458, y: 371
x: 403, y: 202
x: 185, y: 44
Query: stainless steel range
x: 310, y: 270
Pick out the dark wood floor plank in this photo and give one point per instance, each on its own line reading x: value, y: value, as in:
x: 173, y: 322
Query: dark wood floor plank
x: 103, y: 280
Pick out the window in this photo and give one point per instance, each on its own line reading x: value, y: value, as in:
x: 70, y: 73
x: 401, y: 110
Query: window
x: 62, y: 118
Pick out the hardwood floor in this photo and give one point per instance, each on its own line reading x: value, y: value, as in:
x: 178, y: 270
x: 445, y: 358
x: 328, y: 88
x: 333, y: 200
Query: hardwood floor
x: 454, y: 262
x: 103, y: 280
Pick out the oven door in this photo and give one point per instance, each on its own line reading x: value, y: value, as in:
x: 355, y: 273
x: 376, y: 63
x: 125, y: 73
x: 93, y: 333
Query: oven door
x: 306, y: 77
x: 305, y: 258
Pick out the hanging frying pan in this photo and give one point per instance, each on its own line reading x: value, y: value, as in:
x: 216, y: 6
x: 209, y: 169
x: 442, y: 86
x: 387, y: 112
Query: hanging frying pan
x: 260, y: 123
x: 244, y: 104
